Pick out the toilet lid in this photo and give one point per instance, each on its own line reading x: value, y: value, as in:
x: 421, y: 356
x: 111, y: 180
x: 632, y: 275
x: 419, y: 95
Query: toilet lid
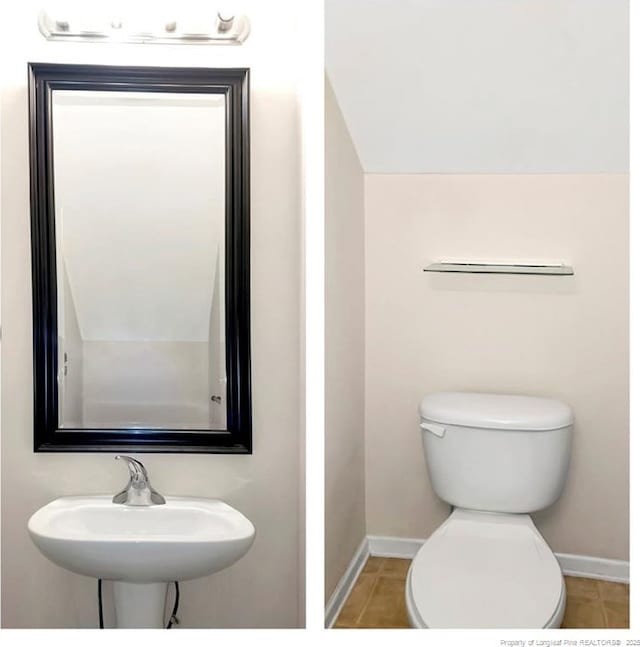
x: 482, y: 570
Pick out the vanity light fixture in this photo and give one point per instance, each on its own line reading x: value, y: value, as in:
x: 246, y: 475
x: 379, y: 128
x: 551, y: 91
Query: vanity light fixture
x: 220, y: 28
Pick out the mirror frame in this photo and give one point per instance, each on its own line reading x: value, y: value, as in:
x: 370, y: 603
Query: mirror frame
x: 233, y: 83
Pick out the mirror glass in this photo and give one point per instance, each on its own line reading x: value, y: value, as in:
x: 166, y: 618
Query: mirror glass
x: 139, y: 201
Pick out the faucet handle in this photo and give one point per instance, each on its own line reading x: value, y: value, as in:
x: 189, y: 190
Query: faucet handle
x: 137, y: 471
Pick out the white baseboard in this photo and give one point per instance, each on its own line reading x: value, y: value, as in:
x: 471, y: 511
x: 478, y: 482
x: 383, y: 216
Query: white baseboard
x: 401, y: 547
x: 344, y: 586
x: 598, y: 568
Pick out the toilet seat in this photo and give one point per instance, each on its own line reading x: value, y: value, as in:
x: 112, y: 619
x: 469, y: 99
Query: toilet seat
x: 485, y: 570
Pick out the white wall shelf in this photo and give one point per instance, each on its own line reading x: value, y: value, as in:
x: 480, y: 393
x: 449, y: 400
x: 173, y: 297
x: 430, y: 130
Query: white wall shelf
x: 500, y: 268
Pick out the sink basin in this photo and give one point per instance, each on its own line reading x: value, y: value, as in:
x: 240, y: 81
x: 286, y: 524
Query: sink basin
x: 141, y: 548
x: 181, y: 540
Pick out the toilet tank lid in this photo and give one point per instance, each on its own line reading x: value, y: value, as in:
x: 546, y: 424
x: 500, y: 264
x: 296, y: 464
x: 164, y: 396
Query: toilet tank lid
x: 496, y: 411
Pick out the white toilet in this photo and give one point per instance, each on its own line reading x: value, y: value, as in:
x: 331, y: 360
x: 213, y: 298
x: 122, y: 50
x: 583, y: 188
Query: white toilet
x: 495, y: 459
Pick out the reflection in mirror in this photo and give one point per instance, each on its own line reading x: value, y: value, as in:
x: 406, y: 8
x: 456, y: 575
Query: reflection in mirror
x: 140, y: 259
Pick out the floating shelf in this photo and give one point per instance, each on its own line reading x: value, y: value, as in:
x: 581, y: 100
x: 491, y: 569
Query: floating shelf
x: 500, y: 268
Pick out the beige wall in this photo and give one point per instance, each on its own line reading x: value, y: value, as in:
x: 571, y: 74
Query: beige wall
x: 560, y: 337
x: 264, y: 588
x: 344, y: 347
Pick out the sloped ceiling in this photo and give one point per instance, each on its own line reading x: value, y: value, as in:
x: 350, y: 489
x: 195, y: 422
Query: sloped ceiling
x: 482, y: 86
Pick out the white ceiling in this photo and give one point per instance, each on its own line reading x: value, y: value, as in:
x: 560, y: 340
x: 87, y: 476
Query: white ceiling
x: 482, y: 86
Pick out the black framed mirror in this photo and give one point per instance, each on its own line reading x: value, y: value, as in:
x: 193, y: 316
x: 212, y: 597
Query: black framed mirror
x: 140, y: 258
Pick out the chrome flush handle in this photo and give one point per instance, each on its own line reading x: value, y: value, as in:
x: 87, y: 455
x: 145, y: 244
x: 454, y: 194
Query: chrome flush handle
x: 138, y: 490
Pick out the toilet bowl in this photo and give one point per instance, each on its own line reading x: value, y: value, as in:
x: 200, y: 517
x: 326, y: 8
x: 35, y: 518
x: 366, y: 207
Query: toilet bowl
x: 495, y: 458
x: 484, y: 570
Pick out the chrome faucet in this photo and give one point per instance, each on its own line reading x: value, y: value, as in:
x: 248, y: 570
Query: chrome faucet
x: 138, y: 490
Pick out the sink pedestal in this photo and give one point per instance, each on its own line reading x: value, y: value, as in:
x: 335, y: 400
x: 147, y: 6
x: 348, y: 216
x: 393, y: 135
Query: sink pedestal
x: 140, y: 606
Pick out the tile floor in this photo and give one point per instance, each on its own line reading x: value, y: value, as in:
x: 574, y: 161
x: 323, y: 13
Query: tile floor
x: 377, y: 600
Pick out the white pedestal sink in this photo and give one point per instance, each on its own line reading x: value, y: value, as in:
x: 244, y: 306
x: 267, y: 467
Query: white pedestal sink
x: 141, y: 548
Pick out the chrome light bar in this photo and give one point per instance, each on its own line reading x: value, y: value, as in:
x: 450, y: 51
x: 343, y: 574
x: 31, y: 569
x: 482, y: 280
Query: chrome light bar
x: 222, y: 29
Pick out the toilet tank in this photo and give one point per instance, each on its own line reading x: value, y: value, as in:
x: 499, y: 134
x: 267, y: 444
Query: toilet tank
x: 498, y: 453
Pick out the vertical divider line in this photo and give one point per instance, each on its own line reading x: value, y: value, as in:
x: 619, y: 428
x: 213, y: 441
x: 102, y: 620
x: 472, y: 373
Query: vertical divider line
x: 634, y: 295
x: 311, y: 92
